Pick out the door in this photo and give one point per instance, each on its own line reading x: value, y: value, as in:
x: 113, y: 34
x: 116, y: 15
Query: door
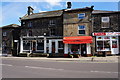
x: 114, y: 47
x: 53, y: 47
x: 83, y: 50
x: 33, y: 46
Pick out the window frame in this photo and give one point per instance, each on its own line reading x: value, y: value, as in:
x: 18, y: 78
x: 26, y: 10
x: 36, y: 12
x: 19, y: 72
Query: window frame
x: 82, y: 16
x: 81, y: 29
x: 52, y: 22
x: 105, y: 22
x: 4, y: 34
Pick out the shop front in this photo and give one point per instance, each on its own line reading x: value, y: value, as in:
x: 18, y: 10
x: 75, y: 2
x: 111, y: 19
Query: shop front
x: 41, y: 44
x: 78, y: 45
x: 107, y: 43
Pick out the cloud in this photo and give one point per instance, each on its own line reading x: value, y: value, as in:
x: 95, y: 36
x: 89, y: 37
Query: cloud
x: 53, y: 2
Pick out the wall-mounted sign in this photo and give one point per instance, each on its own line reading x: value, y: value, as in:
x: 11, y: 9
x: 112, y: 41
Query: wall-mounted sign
x: 107, y: 34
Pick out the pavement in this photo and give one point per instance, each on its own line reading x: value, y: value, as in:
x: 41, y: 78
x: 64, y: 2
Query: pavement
x: 88, y: 59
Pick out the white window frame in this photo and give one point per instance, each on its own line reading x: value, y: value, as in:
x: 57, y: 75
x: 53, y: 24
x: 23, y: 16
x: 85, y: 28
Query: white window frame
x: 30, y: 45
x: 103, y: 42
x: 103, y: 21
x: 81, y: 29
x: 52, y: 22
x: 37, y: 48
x: 81, y: 16
x: 4, y: 33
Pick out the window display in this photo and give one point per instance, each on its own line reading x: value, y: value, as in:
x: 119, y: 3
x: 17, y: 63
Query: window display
x: 114, y: 44
x: 103, y: 43
x: 26, y: 45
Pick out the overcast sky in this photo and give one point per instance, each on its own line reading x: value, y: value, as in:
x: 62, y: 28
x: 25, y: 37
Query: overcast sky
x: 11, y: 11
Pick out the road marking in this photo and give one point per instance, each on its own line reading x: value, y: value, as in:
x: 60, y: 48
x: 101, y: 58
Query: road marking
x: 6, y: 65
x: 42, y: 68
x: 103, y: 72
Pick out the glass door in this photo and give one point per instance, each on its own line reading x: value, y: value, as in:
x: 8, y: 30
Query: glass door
x: 114, y: 45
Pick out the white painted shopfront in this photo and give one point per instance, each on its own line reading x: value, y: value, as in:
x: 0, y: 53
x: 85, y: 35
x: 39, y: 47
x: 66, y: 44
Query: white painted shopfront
x: 40, y: 44
x: 107, y: 42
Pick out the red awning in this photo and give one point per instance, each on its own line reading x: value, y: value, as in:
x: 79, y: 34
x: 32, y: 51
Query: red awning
x: 77, y: 40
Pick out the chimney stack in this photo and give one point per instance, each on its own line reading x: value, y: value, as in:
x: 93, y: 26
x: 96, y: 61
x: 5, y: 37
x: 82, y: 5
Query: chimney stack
x: 69, y: 5
x: 30, y: 10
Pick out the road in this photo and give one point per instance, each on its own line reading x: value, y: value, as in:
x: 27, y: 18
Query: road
x: 27, y: 68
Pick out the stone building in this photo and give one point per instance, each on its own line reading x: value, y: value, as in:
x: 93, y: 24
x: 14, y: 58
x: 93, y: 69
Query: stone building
x: 42, y: 33
x: 77, y: 28
x: 106, y: 32
x: 10, y: 33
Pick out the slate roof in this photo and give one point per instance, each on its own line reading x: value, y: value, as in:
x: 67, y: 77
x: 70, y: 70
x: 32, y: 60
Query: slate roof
x: 102, y: 11
x: 10, y: 26
x: 43, y: 14
x: 50, y: 13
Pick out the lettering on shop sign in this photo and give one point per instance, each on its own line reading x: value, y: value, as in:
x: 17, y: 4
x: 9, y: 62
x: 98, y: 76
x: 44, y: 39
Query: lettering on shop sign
x: 107, y: 34
x: 99, y: 34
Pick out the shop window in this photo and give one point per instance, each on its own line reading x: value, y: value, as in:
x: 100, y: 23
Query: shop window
x: 40, y: 45
x: 81, y: 16
x: 99, y: 45
x: 114, y: 37
x: 105, y: 22
x: 81, y: 29
x: 103, y: 43
x: 26, y: 45
x: 107, y: 45
x: 60, y: 43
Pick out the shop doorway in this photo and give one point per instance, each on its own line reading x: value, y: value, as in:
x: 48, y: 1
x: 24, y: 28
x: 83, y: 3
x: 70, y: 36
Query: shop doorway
x: 83, y: 50
x: 114, y: 48
x: 33, y: 46
x: 53, y: 47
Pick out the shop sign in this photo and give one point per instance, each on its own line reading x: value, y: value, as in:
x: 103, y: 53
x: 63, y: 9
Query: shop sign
x: 99, y: 34
x: 107, y: 34
x: 113, y: 34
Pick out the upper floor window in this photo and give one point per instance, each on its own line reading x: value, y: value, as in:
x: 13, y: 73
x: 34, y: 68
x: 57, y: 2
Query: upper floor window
x: 30, y: 24
x: 105, y: 22
x: 81, y: 29
x: 4, y: 34
x: 52, y: 22
x: 52, y: 31
x: 81, y: 15
x: 29, y: 33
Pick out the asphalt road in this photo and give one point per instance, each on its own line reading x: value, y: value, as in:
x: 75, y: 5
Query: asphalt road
x: 27, y: 68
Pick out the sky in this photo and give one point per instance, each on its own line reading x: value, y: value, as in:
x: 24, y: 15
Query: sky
x: 11, y: 11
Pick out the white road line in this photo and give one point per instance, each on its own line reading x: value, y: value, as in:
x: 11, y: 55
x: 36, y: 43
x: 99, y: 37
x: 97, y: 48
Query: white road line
x: 6, y: 64
x: 103, y: 72
x: 42, y: 68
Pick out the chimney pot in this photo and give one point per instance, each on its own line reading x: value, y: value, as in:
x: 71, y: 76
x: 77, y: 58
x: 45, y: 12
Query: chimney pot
x: 69, y: 4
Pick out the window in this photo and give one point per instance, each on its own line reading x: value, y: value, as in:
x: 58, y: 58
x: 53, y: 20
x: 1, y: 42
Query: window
x: 30, y: 24
x: 26, y: 45
x: 103, y: 43
x: 105, y: 22
x: 40, y: 45
x: 29, y: 33
x: 4, y: 34
x: 52, y: 22
x: 81, y: 29
x: 52, y: 31
x: 81, y: 15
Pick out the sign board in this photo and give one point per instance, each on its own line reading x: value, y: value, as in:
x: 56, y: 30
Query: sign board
x: 107, y: 34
